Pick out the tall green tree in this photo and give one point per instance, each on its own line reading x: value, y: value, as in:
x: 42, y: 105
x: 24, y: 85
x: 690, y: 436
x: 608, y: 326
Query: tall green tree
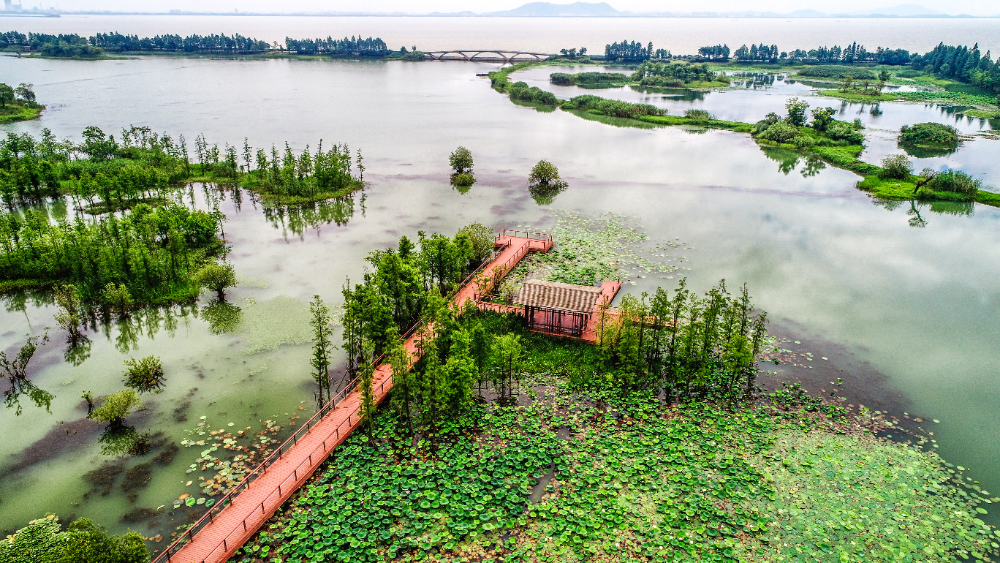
x: 322, y: 348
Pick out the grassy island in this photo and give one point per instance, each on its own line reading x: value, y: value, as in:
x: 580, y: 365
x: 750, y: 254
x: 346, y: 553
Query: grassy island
x: 18, y: 104
x: 503, y: 444
x: 648, y: 75
x: 20, y: 112
x: 835, y: 142
x: 928, y: 139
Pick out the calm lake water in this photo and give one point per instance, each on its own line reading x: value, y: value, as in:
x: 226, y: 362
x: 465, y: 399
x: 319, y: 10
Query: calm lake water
x: 915, y: 309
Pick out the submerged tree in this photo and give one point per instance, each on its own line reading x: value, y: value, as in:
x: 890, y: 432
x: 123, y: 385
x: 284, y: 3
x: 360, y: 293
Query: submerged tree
x: 16, y: 372
x: 70, y: 310
x: 461, y: 160
x: 144, y: 375
x: 118, y: 299
x: 544, y: 182
x: 217, y: 278
x: 116, y: 407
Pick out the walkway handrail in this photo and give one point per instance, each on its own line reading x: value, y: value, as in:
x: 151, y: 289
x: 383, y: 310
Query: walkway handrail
x: 261, y: 469
x: 270, y: 460
x: 524, y: 234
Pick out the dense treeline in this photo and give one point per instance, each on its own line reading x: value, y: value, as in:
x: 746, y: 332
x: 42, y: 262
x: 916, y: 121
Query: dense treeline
x: 690, y: 347
x: 714, y: 52
x: 762, y: 53
x: 62, y: 45
x: 633, y: 51
x: 73, y: 45
x: 587, y: 78
x: 656, y: 74
x: 116, y: 42
x: 319, y: 175
x: 962, y: 64
x: 117, y: 173
x: 853, y: 53
x: 108, y: 174
x: 370, y: 47
x: 152, y: 252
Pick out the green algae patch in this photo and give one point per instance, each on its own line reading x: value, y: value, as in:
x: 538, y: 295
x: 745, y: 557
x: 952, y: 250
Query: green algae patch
x: 859, y: 498
x: 272, y: 323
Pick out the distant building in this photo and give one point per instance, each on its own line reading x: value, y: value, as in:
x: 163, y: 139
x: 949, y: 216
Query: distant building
x: 10, y: 6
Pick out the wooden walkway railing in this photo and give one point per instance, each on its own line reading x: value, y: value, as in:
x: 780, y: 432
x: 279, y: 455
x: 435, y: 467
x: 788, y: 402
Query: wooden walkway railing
x: 229, y: 523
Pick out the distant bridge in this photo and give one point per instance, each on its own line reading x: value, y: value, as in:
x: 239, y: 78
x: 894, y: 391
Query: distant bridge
x: 485, y: 55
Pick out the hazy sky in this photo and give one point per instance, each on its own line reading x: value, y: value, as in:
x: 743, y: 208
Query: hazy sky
x: 974, y: 7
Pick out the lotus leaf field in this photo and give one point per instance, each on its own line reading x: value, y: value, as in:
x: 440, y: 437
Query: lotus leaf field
x: 593, y: 249
x: 595, y: 475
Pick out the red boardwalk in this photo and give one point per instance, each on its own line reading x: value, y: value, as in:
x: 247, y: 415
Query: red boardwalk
x: 231, y: 522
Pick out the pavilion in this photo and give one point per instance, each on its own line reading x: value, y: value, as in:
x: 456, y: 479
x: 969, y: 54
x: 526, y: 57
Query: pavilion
x: 558, y: 308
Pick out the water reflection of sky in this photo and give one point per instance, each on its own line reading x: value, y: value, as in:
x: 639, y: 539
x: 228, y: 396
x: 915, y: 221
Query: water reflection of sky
x: 920, y: 304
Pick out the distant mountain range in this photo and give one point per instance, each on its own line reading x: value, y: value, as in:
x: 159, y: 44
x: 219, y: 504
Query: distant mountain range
x: 605, y: 10
x: 594, y: 10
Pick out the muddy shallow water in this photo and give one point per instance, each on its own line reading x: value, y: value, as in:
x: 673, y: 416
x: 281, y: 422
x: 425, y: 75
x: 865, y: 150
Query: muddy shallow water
x: 915, y: 309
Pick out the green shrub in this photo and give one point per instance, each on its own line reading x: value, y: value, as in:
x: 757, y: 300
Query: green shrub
x: 144, y: 375
x: 568, y: 106
x: 958, y: 182
x: 464, y: 179
x: 38, y: 542
x: 698, y: 115
x: 929, y: 135
x: 780, y: 132
x: 895, y: 167
x: 87, y: 542
x: 615, y: 108
x: 521, y: 91
x: 796, y: 112
x: 116, y: 407
x: 545, y: 174
x: 216, y: 277
x: 843, y: 131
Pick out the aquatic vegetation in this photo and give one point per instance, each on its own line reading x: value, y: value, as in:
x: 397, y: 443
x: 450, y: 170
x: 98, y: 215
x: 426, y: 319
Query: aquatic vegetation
x: 272, y: 323
x: 228, y: 455
x: 577, y: 477
x: 594, y: 249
